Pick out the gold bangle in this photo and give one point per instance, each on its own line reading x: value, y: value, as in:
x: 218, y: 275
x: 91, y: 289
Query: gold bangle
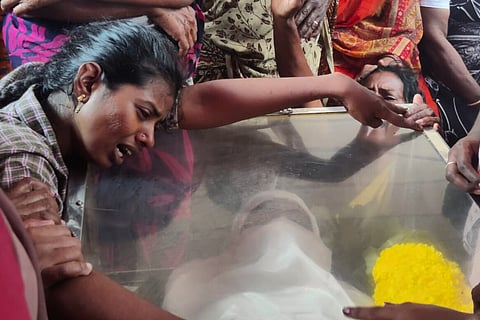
x: 473, y: 104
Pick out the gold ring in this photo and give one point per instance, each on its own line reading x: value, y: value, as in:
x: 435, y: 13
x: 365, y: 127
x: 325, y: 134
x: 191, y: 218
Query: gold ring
x: 449, y: 163
x: 315, y: 23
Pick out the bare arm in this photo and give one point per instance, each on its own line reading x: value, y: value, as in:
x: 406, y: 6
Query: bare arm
x: 406, y: 311
x: 289, y: 55
x: 98, y: 297
x: 446, y: 63
x: 155, y: 3
x: 179, y: 23
x: 20, y: 7
x: 86, y: 11
x: 220, y: 102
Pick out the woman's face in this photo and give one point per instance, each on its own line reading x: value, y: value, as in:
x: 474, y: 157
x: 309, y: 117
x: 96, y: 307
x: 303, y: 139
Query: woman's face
x: 115, y: 125
x: 387, y: 85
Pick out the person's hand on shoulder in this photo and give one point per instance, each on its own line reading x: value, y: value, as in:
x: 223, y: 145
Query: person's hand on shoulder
x: 59, y: 254
x: 405, y: 311
x: 459, y: 169
x: 34, y: 199
x: 180, y: 24
x: 369, y: 108
x: 423, y: 114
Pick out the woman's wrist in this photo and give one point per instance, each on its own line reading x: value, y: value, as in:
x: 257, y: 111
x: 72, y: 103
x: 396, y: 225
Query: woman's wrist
x: 339, y: 85
x: 285, y: 22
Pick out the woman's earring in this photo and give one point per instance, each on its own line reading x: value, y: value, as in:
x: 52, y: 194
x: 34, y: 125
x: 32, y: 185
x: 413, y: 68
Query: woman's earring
x: 80, y: 100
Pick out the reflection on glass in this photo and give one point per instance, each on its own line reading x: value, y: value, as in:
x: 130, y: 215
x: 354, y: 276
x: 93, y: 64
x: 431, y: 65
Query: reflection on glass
x: 362, y: 188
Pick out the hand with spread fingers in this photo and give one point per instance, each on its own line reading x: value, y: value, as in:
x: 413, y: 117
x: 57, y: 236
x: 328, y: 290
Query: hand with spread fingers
x: 60, y: 256
x: 34, y: 199
x: 310, y: 17
x: 406, y: 311
x: 180, y: 24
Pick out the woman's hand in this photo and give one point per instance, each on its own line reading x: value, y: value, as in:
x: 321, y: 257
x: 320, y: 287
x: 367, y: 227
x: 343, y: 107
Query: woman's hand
x: 34, y: 199
x: 180, y: 24
x: 422, y: 114
x: 369, y: 108
x: 59, y: 254
x: 405, y: 311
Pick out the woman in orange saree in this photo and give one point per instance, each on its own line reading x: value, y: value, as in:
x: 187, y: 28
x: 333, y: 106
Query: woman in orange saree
x: 368, y: 31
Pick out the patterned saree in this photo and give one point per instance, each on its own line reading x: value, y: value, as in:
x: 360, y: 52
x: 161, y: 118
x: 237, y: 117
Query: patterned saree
x: 366, y: 30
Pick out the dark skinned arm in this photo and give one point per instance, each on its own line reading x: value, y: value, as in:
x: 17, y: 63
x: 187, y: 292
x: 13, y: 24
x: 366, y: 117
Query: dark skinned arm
x: 98, y: 297
x: 219, y: 102
x: 289, y: 55
x: 446, y: 64
x: 22, y: 7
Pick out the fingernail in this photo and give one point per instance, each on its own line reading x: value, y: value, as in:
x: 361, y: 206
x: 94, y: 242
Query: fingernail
x: 347, y: 311
x: 89, y: 268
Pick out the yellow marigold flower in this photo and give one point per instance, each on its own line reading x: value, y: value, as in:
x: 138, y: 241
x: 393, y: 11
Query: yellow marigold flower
x: 417, y: 272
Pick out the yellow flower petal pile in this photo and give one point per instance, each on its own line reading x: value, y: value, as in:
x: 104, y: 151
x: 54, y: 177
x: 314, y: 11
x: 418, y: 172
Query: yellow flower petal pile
x: 417, y: 272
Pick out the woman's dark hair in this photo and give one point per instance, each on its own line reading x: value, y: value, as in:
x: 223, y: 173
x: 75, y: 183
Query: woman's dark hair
x: 407, y: 75
x: 127, y: 52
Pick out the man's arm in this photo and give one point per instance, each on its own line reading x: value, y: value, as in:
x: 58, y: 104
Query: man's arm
x: 445, y: 63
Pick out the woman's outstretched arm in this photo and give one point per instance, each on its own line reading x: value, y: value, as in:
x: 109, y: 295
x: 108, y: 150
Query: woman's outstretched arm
x: 221, y: 102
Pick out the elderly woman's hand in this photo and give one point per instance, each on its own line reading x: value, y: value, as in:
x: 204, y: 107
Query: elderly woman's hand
x: 405, y: 311
x: 422, y: 114
x: 59, y: 254
x: 34, y: 199
x: 180, y: 24
x: 310, y: 17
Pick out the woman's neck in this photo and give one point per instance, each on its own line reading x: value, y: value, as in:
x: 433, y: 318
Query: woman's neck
x: 59, y: 108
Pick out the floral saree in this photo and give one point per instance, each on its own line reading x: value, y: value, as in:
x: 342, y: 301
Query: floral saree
x: 366, y: 30
x: 238, y: 42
